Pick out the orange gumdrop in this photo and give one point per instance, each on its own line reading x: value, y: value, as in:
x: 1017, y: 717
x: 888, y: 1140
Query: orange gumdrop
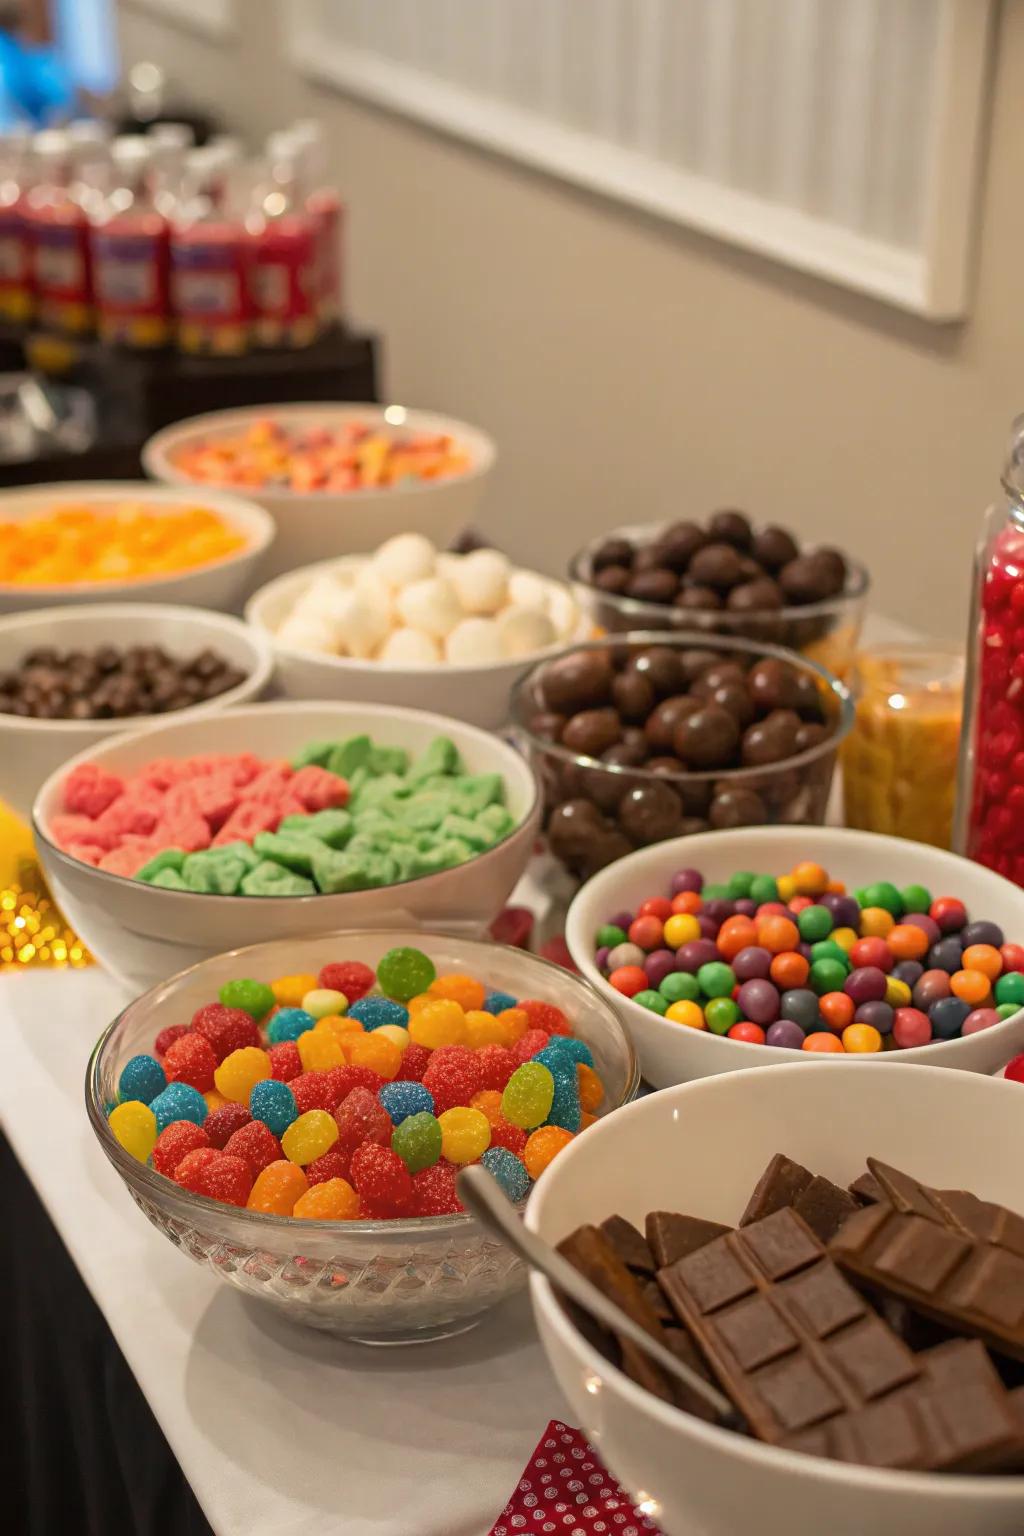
x: 277, y: 1188
x: 591, y: 1087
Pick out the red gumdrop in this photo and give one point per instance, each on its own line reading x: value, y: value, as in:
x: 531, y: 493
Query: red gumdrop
x: 452, y: 1078
x: 527, y: 1046
x: 227, y: 1029
x: 229, y: 1180
x: 256, y: 1145
x: 191, y: 1060
x: 381, y: 1180
x: 221, y: 1124
x: 1015, y: 1070
x: 504, y: 1134
x: 329, y: 1165
x: 312, y: 1090
x: 544, y: 1016
x: 433, y: 1191
x: 285, y: 1061
x: 415, y: 1061
x: 191, y: 1173
x: 340, y: 1081
x: 360, y: 1118
x: 496, y: 1064
x: 167, y: 1037
x: 349, y: 976
x: 175, y: 1142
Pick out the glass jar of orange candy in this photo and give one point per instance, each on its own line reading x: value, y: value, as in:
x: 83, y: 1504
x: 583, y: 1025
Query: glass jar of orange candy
x: 900, y: 760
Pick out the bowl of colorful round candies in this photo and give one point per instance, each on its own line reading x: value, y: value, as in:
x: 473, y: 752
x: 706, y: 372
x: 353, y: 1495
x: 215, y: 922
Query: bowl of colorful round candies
x: 748, y: 948
x: 294, y: 1114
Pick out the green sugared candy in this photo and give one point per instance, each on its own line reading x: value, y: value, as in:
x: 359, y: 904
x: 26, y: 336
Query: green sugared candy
x: 417, y: 1141
x: 680, y: 987
x: 827, y: 976
x: 815, y: 924
x: 405, y: 973
x: 915, y: 898
x: 253, y: 997
x: 167, y: 858
x: 716, y: 979
x: 652, y: 1000
x: 168, y: 879
x: 270, y: 879
x: 721, y: 1013
x: 610, y: 935
x: 1010, y: 989
x: 214, y: 871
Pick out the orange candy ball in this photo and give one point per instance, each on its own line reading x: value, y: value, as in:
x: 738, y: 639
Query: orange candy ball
x: 810, y: 879
x: 736, y: 933
x: 983, y: 958
x: 688, y: 901
x: 777, y: 934
x: 789, y: 970
x: 908, y: 942
x: 970, y: 986
x: 837, y: 1010
x: 824, y: 1042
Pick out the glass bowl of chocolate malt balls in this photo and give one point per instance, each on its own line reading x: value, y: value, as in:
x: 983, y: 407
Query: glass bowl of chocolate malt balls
x: 648, y: 736
x: 725, y: 577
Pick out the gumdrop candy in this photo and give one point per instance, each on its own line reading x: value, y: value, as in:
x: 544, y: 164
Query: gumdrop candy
x: 289, y: 1024
x: 433, y: 1192
x: 179, y: 1102
x: 526, y: 1101
x: 405, y: 972
x: 496, y: 1064
x: 222, y: 1123
x: 465, y: 1134
x: 309, y: 1136
x: 227, y: 1029
x: 191, y: 1172
x: 329, y: 1200
x: 255, y: 1144
x: 372, y: 1012
x: 329, y: 1165
x: 509, y: 1171
x: 278, y: 1186
x: 381, y: 1180
x: 404, y: 1099
x: 141, y: 1078
x: 273, y: 1102
x: 135, y: 1128
x: 285, y: 1061
x: 191, y: 1060
x: 418, y: 1141
x: 350, y: 977
x: 229, y: 1179
x: 543, y: 1146
x: 238, y: 1073
x: 253, y: 997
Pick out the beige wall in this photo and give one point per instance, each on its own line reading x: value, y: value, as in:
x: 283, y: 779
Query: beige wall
x: 629, y: 369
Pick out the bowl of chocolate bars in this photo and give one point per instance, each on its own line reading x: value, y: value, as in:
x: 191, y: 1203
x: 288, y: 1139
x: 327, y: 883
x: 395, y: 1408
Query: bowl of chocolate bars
x: 843, y: 1258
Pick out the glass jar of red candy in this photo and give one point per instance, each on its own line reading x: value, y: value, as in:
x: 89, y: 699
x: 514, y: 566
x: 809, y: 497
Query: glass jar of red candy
x: 990, y: 801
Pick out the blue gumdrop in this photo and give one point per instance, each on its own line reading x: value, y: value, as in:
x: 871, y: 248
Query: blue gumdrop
x: 289, y: 1024
x: 402, y: 1099
x: 509, y: 1171
x: 569, y: 1045
x: 179, y: 1101
x: 372, y: 1012
x: 565, y: 1105
x: 497, y: 1002
x: 273, y: 1103
x: 141, y: 1078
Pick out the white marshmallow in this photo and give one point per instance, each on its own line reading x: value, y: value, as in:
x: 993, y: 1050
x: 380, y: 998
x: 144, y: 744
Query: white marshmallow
x: 369, y: 584
x: 407, y: 557
x: 320, y: 599
x: 474, y: 642
x: 361, y: 625
x: 446, y: 563
x: 480, y: 580
x: 430, y: 605
x: 528, y: 590
x: 565, y: 615
x: 410, y: 648
x: 308, y: 634
x: 524, y: 630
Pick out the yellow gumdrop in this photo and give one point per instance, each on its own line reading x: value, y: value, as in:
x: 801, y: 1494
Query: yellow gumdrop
x: 465, y: 1134
x: 134, y: 1126
x: 310, y: 1136
x: 290, y: 990
x: 439, y: 1022
x: 381, y: 1056
x: 322, y: 1001
x: 485, y: 1029
x: 214, y: 1100
x: 239, y: 1073
x: 396, y: 1033
x: 335, y: 1027
x: 319, y: 1052
x: 416, y: 1003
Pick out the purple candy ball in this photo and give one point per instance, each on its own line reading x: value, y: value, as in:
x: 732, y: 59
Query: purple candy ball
x: 845, y: 911
x: 785, y: 1033
x: 697, y: 952
x: 805, y: 950
x: 745, y: 907
x: 659, y: 964
x: 829, y: 900
x: 878, y: 1014
x: 601, y: 957
x: 927, y: 925
x: 909, y: 972
x: 708, y: 926
x: 752, y: 963
x: 621, y: 920
x: 759, y: 1001
x: 865, y: 985
x: 718, y: 909
x: 686, y: 880
x: 979, y: 1018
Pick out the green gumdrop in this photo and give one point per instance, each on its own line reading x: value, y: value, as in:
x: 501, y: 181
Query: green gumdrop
x: 652, y: 1000
x: 528, y: 1094
x: 167, y: 858
x: 270, y: 879
x: 417, y: 1141
x: 253, y: 997
x: 405, y: 973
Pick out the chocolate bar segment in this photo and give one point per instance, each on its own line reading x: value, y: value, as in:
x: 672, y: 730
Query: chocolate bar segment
x: 671, y: 1236
x: 629, y: 1245
x: 956, y: 1259
x: 822, y: 1204
x: 866, y: 1189
x: 789, y: 1340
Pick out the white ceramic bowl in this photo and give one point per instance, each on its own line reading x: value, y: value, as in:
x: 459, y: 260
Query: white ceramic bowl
x: 319, y: 524
x: 673, y: 1053
x: 222, y: 585
x: 143, y: 933
x: 479, y: 695
x: 699, y: 1148
x: 30, y: 750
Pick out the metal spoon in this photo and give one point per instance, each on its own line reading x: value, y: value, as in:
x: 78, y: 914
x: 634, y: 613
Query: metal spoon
x: 481, y: 1194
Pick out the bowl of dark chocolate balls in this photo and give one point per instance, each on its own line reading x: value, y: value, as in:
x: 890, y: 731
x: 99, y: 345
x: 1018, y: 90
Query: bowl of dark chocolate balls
x: 725, y: 577
x: 644, y: 737
x: 71, y: 677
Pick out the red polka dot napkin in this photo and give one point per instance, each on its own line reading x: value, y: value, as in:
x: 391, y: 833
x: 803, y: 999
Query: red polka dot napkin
x: 565, y: 1489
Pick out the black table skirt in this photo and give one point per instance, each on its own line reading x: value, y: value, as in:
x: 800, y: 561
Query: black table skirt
x: 83, y: 1453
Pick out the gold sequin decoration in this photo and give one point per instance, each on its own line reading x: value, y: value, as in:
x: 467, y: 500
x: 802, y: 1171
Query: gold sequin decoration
x: 32, y: 930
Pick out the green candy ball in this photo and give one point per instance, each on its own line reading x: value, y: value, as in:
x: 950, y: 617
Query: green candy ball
x: 1010, y: 988
x: 721, y: 1014
x: 680, y: 987
x: 826, y: 976
x: 915, y: 898
x: 764, y: 888
x: 884, y: 894
x: 815, y: 924
x: 740, y: 884
x: 716, y: 893
x: 652, y: 1000
x: 828, y: 949
x: 1007, y: 1010
x: 716, y: 979
x: 610, y: 935
x: 253, y: 997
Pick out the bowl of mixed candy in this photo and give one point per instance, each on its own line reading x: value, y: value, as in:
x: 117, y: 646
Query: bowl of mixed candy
x: 293, y: 1115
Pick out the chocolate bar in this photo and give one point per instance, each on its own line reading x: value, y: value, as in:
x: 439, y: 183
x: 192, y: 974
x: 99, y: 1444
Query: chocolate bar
x: 822, y: 1204
x: 866, y: 1189
x: 789, y: 1340
x: 957, y: 1417
x: 955, y: 1258
x: 671, y: 1237
x: 629, y: 1245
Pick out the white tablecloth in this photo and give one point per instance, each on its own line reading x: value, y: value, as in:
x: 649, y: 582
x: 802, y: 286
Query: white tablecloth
x: 279, y: 1430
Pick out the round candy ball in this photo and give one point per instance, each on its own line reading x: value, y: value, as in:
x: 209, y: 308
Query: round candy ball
x: 686, y: 880
x: 979, y: 1018
x: 721, y: 1014
x: 945, y: 955
x: 659, y: 965
x: 716, y: 979
x: 801, y: 1005
x: 864, y: 985
x: 627, y: 954
x: 827, y: 975
x: 759, y: 1001
x: 680, y: 987
x: 784, y: 1032
x: 1010, y: 988
x: 911, y: 1027
x: 651, y: 999
x: 861, y: 1039
x: 752, y: 962
x: 823, y: 1040
x: 747, y: 1031
x: 690, y: 957
x: 982, y: 933
x: 877, y: 1015
x: 947, y: 1017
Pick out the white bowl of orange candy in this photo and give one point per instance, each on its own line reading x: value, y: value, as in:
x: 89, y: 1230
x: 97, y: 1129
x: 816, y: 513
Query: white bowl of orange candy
x: 337, y: 479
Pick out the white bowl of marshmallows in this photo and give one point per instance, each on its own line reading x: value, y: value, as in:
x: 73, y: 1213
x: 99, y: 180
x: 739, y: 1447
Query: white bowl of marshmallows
x: 413, y: 626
